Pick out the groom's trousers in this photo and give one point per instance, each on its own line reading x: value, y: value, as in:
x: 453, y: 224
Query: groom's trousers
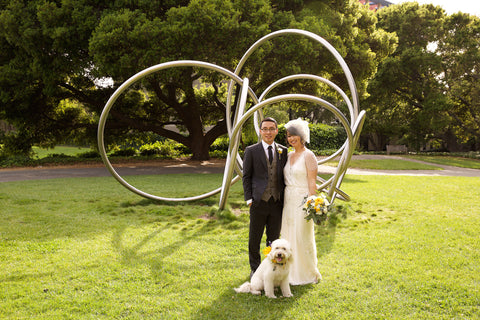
x: 263, y: 214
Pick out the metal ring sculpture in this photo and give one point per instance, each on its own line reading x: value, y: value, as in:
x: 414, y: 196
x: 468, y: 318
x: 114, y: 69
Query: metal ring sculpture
x: 234, y: 162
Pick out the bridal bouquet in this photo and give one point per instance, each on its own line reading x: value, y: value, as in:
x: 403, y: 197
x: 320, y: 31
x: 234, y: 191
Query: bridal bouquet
x: 316, y: 208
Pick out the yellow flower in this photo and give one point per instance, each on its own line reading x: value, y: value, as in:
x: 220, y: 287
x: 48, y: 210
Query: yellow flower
x: 316, y: 208
x: 266, y: 251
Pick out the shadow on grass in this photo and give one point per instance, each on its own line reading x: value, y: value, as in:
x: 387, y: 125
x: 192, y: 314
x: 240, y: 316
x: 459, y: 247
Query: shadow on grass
x: 131, y: 256
x: 248, y: 306
x: 188, y: 229
x: 232, y: 305
x: 148, y: 202
x: 226, y: 302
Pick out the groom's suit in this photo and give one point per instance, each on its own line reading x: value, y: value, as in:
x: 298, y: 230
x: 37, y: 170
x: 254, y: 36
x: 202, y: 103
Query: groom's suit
x: 264, y: 185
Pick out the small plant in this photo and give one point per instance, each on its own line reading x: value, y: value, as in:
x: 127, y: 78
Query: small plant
x: 127, y: 152
x: 165, y: 149
x: 89, y: 155
x: 220, y: 144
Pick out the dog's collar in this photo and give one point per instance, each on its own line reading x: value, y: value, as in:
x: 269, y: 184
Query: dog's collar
x: 275, y: 264
x: 278, y: 263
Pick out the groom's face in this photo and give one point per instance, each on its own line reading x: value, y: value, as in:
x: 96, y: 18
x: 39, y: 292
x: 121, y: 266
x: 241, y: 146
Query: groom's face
x: 268, y: 131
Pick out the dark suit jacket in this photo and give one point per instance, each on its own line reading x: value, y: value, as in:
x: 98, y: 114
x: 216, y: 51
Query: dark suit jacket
x: 255, y: 171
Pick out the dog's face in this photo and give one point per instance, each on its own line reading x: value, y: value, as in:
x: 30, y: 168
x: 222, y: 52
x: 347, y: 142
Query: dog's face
x: 281, y: 251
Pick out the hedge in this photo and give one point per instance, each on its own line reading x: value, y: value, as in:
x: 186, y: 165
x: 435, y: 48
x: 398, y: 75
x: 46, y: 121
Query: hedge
x: 322, y: 137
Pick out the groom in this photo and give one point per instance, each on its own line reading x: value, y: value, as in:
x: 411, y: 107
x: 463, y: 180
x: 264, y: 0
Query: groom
x: 263, y: 187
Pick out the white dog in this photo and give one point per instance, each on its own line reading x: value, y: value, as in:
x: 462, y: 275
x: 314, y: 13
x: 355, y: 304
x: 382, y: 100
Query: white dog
x: 272, y: 272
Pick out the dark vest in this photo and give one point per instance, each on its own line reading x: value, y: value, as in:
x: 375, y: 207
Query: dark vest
x: 272, y: 187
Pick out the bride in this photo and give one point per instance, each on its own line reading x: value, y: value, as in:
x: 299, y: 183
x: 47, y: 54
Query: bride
x: 300, y: 174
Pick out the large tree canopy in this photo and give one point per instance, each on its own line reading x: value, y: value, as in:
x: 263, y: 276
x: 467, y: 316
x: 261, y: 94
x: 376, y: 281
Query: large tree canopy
x: 425, y: 92
x: 57, y: 56
x: 459, y: 47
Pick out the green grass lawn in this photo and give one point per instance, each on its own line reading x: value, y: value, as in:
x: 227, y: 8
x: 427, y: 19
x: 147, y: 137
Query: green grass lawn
x: 450, y: 161
x: 386, y: 164
x: 87, y: 248
x: 66, y: 150
x: 401, y: 164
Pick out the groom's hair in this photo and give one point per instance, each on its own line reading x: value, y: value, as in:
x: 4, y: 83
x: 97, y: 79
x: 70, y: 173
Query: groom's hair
x: 269, y: 119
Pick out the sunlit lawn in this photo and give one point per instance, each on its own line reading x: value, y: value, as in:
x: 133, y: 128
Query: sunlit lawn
x: 386, y: 164
x: 406, y: 164
x: 87, y: 248
x: 450, y: 161
x: 66, y: 150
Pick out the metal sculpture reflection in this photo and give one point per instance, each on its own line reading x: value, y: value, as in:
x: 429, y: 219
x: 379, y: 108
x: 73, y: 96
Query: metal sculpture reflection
x: 352, y: 125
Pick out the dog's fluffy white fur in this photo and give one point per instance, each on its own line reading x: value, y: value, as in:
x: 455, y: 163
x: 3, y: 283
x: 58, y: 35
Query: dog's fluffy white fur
x: 272, y: 272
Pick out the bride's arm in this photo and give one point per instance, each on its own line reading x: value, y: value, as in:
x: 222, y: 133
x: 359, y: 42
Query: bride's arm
x: 312, y: 170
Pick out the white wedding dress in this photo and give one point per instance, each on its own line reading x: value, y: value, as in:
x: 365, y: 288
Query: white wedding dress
x: 298, y: 231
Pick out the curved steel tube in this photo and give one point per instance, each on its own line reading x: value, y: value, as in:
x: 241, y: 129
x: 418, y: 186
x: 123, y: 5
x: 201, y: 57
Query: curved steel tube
x: 126, y: 85
x: 234, y: 161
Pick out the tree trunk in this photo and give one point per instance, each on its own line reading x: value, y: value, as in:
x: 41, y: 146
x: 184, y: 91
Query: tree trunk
x: 200, y: 149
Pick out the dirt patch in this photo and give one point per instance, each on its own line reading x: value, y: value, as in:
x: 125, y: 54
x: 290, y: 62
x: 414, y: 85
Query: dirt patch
x: 207, y: 217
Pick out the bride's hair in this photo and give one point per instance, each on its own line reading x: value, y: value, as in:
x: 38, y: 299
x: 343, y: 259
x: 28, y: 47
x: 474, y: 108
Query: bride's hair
x: 295, y: 132
x: 299, y: 127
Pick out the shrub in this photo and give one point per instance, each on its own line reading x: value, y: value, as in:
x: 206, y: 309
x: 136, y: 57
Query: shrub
x: 16, y: 144
x: 218, y: 154
x: 150, y: 149
x: 58, y: 156
x: 15, y: 161
x: 166, y: 149
x: 323, y: 137
x: 220, y: 144
x: 126, y: 152
x: 89, y: 154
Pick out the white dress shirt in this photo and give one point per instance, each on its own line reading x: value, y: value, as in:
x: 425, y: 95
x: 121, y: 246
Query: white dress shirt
x: 265, y: 148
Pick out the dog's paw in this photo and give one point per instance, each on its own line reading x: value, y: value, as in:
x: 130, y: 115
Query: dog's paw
x: 288, y: 295
x: 272, y: 296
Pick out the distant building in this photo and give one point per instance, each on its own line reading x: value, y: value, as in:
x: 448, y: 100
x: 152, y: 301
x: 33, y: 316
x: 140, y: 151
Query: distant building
x: 375, y: 4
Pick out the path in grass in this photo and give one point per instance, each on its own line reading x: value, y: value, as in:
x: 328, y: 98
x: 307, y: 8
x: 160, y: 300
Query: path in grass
x: 447, y: 171
x: 99, y: 170
x: 213, y: 166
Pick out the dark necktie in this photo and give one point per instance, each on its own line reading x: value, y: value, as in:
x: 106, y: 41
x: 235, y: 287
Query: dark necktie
x: 270, y: 154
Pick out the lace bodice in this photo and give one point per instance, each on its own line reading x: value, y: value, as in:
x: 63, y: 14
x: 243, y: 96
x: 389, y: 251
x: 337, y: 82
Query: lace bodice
x: 296, y: 174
